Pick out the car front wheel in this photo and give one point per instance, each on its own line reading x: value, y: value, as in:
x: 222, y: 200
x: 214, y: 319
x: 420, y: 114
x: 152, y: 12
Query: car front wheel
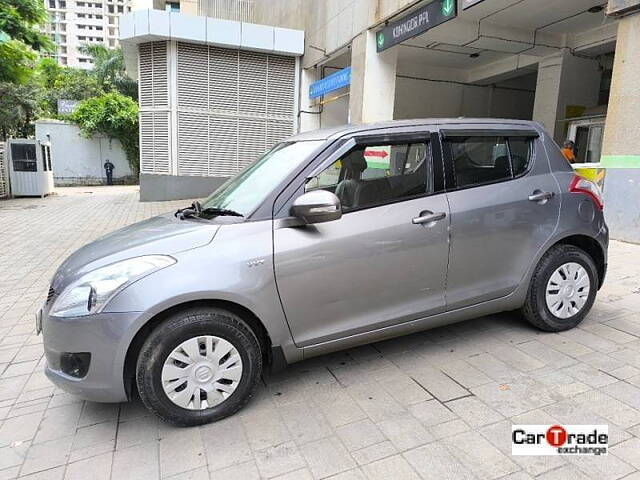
x: 198, y: 366
x: 562, y: 290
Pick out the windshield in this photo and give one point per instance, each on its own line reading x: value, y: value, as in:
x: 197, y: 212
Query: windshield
x: 247, y: 190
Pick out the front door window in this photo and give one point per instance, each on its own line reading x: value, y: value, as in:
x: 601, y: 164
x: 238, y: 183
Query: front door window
x: 376, y: 174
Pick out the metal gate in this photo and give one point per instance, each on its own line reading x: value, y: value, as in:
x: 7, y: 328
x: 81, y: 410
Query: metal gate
x: 4, y: 177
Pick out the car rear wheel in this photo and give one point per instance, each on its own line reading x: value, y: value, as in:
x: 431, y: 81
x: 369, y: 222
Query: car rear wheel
x: 562, y: 290
x: 198, y: 366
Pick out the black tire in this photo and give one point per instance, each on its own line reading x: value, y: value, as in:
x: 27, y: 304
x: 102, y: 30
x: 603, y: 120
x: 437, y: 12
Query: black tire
x: 535, y: 309
x: 171, y: 333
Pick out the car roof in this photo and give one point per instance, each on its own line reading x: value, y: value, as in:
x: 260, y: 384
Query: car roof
x: 342, y: 130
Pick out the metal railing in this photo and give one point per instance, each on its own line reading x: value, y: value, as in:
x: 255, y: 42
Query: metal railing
x: 239, y: 10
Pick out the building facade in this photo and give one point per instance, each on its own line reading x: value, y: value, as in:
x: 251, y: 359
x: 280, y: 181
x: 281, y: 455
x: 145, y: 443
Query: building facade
x: 544, y: 60
x: 214, y: 95
x: 74, y: 23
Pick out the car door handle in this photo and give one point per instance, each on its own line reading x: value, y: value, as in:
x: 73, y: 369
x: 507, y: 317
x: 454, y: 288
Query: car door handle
x: 539, y: 196
x: 428, y: 217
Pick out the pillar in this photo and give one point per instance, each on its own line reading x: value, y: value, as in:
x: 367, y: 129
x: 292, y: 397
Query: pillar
x: 308, y: 112
x: 373, y: 80
x: 564, y: 80
x: 621, y: 146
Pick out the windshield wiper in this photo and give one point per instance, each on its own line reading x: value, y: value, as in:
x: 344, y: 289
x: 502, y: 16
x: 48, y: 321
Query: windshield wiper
x: 189, y: 212
x: 220, y: 212
x: 196, y: 210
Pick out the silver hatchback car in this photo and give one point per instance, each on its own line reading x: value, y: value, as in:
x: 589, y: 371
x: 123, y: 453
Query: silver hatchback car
x: 332, y: 239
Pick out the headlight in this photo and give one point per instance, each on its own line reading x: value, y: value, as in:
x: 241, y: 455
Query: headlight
x: 91, y: 292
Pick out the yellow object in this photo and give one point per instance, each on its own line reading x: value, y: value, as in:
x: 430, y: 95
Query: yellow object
x: 591, y: 172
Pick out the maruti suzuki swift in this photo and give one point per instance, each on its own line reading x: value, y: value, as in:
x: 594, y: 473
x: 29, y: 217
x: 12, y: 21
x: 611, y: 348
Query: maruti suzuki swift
x: 332, y: 239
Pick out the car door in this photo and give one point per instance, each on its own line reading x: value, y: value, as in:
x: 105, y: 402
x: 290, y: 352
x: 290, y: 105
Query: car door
x: 384, y: 262
x: 505, y: 205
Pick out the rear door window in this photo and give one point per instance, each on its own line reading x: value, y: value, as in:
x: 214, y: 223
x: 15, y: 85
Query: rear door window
x: 479, y: 160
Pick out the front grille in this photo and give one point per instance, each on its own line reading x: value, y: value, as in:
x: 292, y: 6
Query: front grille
x: 50, y: 294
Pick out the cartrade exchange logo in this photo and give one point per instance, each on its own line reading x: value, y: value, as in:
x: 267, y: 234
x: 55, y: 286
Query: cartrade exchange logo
x: 559, y: 439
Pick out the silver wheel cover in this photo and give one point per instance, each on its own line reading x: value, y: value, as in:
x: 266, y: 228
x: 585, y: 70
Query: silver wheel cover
x: 201, y: 372
x: 568, y: 289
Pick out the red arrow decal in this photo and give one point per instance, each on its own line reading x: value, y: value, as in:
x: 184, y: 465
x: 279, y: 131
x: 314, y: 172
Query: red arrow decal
x: 376, y: 153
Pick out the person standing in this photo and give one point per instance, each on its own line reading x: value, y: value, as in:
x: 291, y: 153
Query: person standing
x: 108, y: 168
x: 568, y: 150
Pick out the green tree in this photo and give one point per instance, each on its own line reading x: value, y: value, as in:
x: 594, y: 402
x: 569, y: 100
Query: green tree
x: 20, y: 21
x: 18, y: 108
x: 115, y: 116
x: 64, y: 83
x: 109, y: 70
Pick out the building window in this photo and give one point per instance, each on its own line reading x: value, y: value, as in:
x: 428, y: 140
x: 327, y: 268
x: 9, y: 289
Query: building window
x: 120, y: 9
x: 52, y: 3
x: 172, y: 7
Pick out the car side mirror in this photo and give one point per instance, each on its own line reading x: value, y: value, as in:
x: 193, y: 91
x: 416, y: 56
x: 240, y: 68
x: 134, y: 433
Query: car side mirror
x: 318, y: 206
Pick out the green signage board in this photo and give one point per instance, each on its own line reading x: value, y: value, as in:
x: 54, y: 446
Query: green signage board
x: 415, y: 23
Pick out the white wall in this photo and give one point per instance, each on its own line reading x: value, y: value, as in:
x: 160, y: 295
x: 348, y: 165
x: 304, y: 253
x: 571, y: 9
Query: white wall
x: 335, y: 113
x: 79, y: 160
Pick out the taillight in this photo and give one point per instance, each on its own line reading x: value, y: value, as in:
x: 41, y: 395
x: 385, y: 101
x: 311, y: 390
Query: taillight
x: 582, y: 185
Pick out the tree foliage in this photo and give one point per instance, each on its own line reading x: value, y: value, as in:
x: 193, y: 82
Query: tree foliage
x: 109, y: 70
x: 21, y: 21
x: 64, y: 83
x: 18, y: 108
x: 115, y: 116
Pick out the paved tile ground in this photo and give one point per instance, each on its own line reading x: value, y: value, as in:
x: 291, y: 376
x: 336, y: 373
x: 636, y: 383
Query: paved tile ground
x: 434, y: 405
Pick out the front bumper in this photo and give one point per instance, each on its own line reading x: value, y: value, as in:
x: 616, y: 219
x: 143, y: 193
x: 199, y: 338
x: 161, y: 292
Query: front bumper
x: 106, y: 336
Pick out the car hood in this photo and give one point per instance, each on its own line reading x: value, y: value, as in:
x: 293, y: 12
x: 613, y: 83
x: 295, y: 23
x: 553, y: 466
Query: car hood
x: 163, y: 235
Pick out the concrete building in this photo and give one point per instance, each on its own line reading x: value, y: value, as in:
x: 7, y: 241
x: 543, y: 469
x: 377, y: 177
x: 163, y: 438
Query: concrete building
x: 73, y: 23
x: 544, y: 60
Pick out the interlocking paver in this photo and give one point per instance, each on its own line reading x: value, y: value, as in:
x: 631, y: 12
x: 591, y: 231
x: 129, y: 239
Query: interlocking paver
x: 436, y: 404
x: 359, y: 435
x: 395, y: 467
x: 474, y: 412
x: 374, y: 452
x: 136, y: 462
x: 327, y: 457
x: 436, y: 461
x: 480, y: 456
x: 283, y: 458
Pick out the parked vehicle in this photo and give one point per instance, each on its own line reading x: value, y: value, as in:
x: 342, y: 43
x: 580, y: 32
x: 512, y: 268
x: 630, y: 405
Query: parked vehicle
x: 333, y: 239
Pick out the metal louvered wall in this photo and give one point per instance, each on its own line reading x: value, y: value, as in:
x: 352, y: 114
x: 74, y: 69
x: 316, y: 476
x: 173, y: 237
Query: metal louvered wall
x: 211, y: 111
x: 155, y: 132
x: 232, y: 106
x: 154, y: 75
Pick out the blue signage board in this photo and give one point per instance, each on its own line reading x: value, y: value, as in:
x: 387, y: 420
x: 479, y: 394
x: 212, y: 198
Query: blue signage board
x: 335, y: 81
